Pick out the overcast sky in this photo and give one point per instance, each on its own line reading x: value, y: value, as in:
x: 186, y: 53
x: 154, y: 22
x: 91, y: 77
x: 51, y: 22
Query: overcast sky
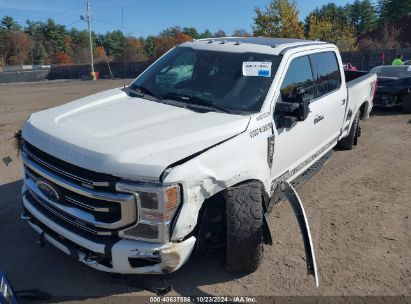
x: 147, y: 17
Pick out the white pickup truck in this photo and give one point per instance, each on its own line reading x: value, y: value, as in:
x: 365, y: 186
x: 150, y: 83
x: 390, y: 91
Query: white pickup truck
x: 192, y: 155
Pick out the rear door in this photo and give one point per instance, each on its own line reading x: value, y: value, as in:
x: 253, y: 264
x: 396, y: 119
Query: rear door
x: 331, y: 94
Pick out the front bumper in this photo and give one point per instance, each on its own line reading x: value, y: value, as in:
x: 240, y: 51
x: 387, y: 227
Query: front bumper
x: 119, y: 256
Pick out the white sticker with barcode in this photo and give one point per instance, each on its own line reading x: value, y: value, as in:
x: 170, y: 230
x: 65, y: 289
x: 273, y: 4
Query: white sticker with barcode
x: 257, y: 68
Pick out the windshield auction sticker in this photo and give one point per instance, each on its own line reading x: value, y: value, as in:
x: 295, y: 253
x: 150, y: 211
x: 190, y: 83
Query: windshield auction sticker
x: 257, y: 68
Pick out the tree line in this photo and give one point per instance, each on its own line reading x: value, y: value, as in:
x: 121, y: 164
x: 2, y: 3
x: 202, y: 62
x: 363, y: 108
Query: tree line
x: 48, y: 42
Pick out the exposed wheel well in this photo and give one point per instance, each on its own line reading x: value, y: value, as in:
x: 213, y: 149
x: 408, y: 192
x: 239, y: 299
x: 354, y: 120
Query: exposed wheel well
x: 363, y: 109
x: 216, y: 204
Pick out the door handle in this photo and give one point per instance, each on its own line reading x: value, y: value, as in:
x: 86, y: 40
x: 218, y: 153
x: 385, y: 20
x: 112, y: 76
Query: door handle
x: 318, y: 117
x: 343, y: 102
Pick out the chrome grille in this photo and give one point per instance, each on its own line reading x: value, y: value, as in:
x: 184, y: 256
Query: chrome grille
x: 69, y: 171
x: 83, y: 203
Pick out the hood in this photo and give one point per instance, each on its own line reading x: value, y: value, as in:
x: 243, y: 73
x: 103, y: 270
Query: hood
x: 110, y: 132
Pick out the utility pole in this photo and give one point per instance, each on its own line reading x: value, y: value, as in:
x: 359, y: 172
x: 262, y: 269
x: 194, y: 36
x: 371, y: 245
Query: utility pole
x: 88, y: 18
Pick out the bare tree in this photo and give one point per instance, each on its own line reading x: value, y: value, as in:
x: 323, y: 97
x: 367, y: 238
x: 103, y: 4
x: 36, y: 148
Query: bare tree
x: 220, y: 33
x: 241, y: 33
x: 389, y: 37
x: 18, y: 46
x: 3, y: 57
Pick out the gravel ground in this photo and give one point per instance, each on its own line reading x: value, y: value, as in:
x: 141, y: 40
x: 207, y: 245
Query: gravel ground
x: 358, y: 207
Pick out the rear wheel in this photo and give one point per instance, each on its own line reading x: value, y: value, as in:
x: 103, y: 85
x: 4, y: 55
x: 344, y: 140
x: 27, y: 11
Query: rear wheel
x: 351, y: 140
x: 244, y: 209
x: 406, y: 103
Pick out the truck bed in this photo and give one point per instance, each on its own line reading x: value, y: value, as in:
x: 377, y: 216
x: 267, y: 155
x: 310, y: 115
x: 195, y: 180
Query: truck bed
x: 352, y: 77
x: 360, y: 89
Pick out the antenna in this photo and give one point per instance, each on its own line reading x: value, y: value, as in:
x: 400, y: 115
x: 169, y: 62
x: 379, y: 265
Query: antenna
x: 124, y: 48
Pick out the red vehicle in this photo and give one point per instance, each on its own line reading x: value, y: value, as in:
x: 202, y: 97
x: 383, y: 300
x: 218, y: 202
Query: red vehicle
x: 349, y: 67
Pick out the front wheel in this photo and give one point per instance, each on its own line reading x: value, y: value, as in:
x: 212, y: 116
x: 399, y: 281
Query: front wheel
x: 244, y: 209
x: 348, y: 143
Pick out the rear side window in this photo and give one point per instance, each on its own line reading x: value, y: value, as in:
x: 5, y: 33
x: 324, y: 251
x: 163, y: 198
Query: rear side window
x: 326, y: 72
x: 299, y: 75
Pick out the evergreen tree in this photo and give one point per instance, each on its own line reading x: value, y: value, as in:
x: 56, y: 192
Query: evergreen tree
x: 391, y: 10
x: 362, y: 15
x: 8, y: 24
x: 206, y: 34
x: 192, y: 32
x: 149, y: 48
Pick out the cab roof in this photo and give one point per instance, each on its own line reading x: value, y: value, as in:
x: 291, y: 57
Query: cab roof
x: 250, y: 44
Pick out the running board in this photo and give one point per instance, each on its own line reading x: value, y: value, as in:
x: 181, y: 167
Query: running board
x: 299, y: 212
x: 300, y: 180
x: 312, y: 170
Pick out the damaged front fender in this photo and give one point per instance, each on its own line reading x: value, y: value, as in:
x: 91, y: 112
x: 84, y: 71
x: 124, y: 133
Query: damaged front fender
x: 213, y: 171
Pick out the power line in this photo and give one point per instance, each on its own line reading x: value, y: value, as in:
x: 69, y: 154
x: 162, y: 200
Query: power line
x: 73, y: 23
x: 119, y: 27
x: 67, y: 10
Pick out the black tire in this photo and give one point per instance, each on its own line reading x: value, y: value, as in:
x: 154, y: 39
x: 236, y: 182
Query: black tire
x: 244, y: 209
x: 406, y: 103
x: 348, y: 143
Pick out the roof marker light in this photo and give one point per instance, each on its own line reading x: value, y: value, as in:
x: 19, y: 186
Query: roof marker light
x: 224, y: 42
x: 274, y: 45
x: 238, y: 43
x: 211, y: 41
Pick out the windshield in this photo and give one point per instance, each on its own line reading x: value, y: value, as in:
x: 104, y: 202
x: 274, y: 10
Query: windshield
x: 211, y: 79
x: 393, y: 71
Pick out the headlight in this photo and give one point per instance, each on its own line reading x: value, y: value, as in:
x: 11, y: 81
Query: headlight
x: 157, y: 205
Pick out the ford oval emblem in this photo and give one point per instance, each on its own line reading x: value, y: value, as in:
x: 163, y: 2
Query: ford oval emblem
x: 48, y: 190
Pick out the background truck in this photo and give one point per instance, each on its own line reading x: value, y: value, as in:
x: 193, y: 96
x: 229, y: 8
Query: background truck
x: 192, y: 155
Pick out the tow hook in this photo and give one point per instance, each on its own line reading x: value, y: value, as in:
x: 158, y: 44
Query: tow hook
x: 25, y: 216
x: 299, y: 212
x: 89, y: 260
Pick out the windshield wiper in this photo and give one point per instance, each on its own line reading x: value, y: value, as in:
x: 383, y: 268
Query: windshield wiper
x: 140, y: 91
x: 194, y: 100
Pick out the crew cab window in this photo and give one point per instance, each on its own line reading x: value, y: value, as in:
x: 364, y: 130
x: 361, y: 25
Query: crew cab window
x: 326, y: 72
x: 299, y: 75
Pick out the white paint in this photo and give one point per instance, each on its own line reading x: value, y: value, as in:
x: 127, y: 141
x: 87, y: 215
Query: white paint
x: 138, y: 139
x: 113, y: 133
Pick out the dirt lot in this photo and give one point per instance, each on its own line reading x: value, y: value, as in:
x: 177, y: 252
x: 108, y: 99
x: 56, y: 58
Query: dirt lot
x: 358, y: 207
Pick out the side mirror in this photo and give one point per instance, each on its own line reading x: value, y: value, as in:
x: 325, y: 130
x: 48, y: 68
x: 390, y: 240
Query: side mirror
x: 291, y: 112
x: 300, y: 96
x: 304, y: 109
